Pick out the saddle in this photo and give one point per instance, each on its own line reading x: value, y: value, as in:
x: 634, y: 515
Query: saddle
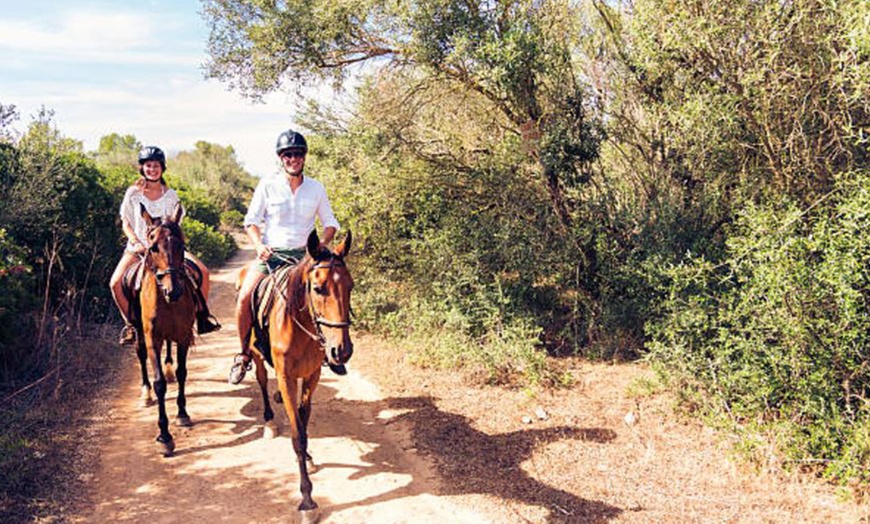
x: 131, y: 284
x: 263, y: 299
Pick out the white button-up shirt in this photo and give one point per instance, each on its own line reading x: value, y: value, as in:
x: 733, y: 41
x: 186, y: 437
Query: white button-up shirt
x: 286, y: 219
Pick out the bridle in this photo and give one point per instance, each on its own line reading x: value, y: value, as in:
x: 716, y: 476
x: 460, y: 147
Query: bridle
x: 169, y: 271
x: 316, y: 318
x: 319, y: 320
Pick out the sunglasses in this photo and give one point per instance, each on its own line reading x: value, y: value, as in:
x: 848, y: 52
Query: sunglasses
x: 293, y: 154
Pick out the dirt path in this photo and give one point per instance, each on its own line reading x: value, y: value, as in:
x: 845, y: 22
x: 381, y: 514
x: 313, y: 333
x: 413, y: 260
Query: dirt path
x: 425, y: 446
x: 223, y: 471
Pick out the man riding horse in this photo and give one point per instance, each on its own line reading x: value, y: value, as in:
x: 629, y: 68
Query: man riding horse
x: 279, y: 220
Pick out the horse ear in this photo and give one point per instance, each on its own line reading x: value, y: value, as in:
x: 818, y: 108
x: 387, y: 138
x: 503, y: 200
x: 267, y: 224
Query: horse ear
x: 313, y: 244
x: 149, y: 220
x: 177, y: 213
x: 344, y: 248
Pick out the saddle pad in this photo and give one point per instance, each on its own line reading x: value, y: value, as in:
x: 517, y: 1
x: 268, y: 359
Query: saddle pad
x: 132, y: 281
x: 263, y: 300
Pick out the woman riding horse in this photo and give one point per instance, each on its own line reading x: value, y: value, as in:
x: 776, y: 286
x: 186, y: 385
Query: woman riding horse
x: 152, y: 192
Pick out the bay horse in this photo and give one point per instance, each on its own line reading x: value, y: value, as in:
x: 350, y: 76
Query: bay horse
x: 164, y: 310
x: 301, y: 318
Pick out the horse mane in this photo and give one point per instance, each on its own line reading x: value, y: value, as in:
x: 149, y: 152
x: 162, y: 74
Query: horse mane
x: 296, y: 287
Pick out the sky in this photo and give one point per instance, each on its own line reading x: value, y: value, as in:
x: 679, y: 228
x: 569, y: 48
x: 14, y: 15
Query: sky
x: 132, y: 67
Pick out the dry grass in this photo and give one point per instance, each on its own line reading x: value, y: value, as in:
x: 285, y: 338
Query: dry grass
x: 45, y: 443
x: 577, y: 456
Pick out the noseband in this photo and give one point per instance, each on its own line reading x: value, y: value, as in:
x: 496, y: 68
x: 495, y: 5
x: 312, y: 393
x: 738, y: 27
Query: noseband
x: 316, y: 318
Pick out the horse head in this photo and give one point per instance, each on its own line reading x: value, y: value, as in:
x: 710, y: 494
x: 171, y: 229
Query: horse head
x: 328, y: 285
x: 166, y: 252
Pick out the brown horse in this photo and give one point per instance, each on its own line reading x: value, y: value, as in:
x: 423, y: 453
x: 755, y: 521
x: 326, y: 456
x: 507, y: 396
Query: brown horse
x: 301, y: 317
x: 165, y: 309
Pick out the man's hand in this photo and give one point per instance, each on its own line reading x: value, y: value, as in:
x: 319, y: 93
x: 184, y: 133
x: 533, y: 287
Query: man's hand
x: 263, y: 251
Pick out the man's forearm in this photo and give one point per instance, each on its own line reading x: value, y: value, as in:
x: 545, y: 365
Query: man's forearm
x: 254, y: 234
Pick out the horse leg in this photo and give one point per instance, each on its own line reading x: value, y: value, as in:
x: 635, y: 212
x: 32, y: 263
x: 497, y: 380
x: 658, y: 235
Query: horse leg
x: 145, y: 391
x: 182, y: 419
x: 308, y: 387
x: 270, y: 428
x: 166, y: 446
x: 298, y: 434
x: 168, y: 371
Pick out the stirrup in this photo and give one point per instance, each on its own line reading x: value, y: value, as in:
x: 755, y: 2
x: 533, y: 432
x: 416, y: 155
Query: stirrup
x: 128, y: 335
x: 239, y: 368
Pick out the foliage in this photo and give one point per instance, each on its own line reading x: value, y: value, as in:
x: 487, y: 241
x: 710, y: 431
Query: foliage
x: 206, y: 243
x: 214, y: 175
x: 16, y: 302
x: 197, y: 204
x: 777, y: 334
x: 118, y: 150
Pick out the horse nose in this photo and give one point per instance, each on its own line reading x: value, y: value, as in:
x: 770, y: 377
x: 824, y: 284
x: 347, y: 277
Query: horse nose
x: 171, y: 295
x: 342, y: 352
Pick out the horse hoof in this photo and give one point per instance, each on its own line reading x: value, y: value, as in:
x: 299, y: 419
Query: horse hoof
x: 183, y: 421
x: 145, y: 399
x: 277, y: 398
x: 166, y: 448
x: 168, y: 373
x: 309, y: 516
x: 270, y: 430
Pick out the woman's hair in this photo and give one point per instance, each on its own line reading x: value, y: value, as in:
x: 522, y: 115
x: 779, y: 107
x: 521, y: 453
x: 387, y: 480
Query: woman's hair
x: 141, y: 182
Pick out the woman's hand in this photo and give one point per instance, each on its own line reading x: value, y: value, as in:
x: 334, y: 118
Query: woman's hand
x: 139, y: 248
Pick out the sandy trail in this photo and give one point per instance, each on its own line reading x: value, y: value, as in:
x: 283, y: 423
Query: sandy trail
x: 224, y: 471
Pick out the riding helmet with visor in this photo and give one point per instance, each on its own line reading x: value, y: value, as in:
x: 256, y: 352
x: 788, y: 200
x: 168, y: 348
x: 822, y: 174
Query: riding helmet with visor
x: 291, y: 140
x: 152, y: 153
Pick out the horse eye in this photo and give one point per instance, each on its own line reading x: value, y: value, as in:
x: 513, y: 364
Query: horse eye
x: 320, y: 290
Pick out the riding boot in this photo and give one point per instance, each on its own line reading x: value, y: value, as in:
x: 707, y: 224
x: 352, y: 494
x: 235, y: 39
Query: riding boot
x: 205, y: 321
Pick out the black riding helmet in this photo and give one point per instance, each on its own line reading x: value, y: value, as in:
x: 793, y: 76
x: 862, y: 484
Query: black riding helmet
x: 152, y: 153
x: 290, y: 140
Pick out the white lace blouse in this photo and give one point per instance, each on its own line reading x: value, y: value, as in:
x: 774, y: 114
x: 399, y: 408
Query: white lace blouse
x: 160, y: 208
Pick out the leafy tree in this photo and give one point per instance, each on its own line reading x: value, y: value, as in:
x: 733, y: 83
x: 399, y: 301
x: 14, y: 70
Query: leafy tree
x: 117, y: 150
x: 516, y: 55
x: 506, y: 68
x: 214, y: 171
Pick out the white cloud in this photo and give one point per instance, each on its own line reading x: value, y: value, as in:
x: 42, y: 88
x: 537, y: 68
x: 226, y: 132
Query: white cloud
x: 97, y: 33
x: 124, y: 70
x: 173, y: 115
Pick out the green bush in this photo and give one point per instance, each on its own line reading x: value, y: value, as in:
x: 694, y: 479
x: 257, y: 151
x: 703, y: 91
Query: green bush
x: 17, y: 304
x: 198, y: 206
x: 231, y: 220
x: 208, y: 244
x: 777, y: 336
